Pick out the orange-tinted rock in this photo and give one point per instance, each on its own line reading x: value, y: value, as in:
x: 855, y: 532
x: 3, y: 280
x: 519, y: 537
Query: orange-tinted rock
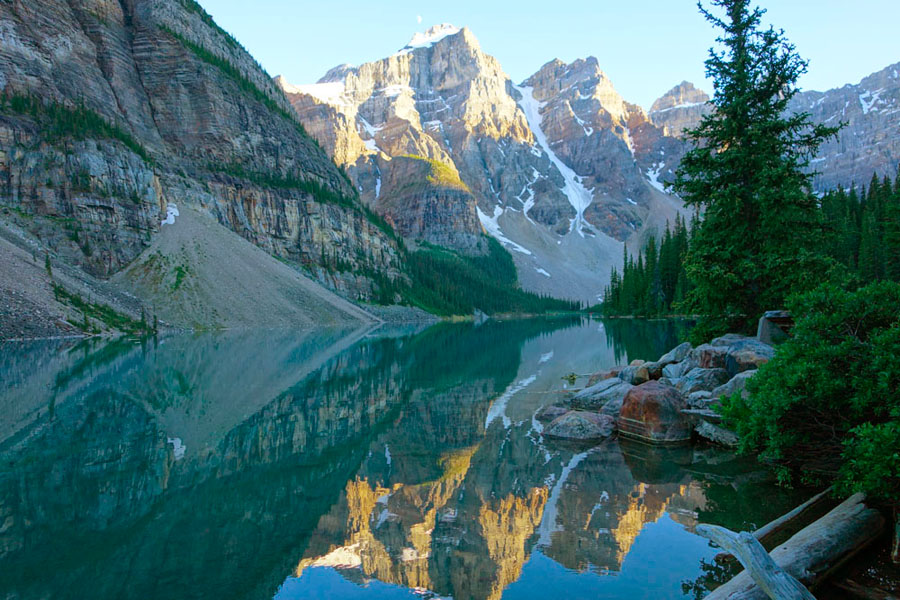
x: 651, y: 412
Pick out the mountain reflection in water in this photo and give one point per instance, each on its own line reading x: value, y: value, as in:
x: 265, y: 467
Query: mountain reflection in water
x: 340, y: 463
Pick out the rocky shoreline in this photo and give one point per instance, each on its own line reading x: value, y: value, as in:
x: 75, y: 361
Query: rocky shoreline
x: 672, y: 400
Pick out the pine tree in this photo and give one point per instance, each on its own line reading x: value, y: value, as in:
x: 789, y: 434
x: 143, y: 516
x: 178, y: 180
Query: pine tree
x: 746, y: 172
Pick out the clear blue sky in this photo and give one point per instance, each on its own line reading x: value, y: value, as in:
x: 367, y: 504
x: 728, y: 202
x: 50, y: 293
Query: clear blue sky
x: 645, y: 46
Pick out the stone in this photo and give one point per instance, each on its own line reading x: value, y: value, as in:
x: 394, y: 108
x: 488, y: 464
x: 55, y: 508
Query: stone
x: 606, y: 395
x: 700, y: 379
x: 651, y: 412
x: 581, y: 426
x: 729, y: 339
x: 551, y: 412
x: 636, y: 362
x: 747, y: 355
x: 635, y: 374
x: 654, y: 369
x: 700, y: 399
x: 679, y: 369
x: 604, y: 374
x: 676, y: 354
x: 708, y: 356
x: 717, y: 434
x: 737, y: 383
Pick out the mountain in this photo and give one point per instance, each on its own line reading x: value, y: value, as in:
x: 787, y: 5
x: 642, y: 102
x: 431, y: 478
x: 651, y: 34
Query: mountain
x: 870, y: 139
x: 442, y: 144
x: 680, y: 108
x: 115, y: 114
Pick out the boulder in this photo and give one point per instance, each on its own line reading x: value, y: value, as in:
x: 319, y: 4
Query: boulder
x: 708, y: 356
x: 636, y: 362
x: 701, y: 399
x: 581, y: 426
x: 700, y: 379
x: 651, y: 412
x: 717, y: 434
x: 679, y: 369
x: 549, y: 413
x: 676, y: 354
x: 602, y: 394
x: 728, y: 339
x: 738, y: 383
x: 747, y: 355
x: 654, y: 369
x: 635, y: 374
x: 604, y: 374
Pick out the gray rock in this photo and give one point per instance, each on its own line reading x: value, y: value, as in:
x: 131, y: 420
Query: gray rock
x: 581, y: 426
x: 635, y: 374
x: 747, y: 355
x: 737, y: 383
x: 701, y: 399
x: 549, y: 413
x: 773, y: 327
x: 609, y: 392
x: 717, y: 434
x: 702, y: 380
x: 679, y: 369
x: 676, y: 354
x: 729, y: 339
x: 708, y: 356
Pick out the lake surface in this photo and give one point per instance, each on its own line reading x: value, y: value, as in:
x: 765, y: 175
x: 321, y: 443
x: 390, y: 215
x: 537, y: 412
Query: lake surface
x: 381, y: 464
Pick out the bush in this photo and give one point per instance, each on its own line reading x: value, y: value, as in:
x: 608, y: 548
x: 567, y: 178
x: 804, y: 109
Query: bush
x: 827, y: 408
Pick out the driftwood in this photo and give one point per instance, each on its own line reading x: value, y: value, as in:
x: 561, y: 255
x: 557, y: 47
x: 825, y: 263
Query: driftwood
x: 862, y: 592
x: 813, y: 553
x: 770, y: 578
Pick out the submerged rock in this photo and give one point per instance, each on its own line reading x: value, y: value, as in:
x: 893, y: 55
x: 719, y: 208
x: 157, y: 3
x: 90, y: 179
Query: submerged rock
x: 701, y: 379
x: 652, y: 412
x: 717, y: 434
x: 581, y: 426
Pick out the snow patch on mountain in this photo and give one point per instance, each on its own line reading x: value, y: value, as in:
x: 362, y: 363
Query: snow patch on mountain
x: 430, y: 37
x: 492, y: 226
x: 579, y: 196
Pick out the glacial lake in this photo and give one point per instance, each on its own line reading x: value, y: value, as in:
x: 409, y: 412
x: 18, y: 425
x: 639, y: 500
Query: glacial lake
x: 394, y: 463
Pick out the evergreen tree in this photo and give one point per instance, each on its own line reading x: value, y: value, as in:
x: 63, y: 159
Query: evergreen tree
x: 760, y: 223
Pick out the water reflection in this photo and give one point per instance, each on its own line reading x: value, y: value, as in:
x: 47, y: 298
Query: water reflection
x: 336, y: 463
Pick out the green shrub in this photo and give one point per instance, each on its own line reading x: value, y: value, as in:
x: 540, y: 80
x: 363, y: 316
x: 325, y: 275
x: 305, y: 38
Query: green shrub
x: 825, y: 408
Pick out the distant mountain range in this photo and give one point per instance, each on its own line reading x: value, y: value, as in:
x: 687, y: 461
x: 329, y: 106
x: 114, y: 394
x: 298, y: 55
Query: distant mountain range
x: 115, y: 116
x: 561, y: 169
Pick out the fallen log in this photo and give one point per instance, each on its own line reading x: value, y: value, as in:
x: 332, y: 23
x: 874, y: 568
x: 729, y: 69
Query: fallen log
x: 770, y: 578
x: 814, y: 552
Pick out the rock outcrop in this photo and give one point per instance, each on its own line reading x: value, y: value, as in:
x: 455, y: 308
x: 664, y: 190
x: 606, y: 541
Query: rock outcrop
x: 679, y: 109
x: 652, y: 412
x: 113, y: 111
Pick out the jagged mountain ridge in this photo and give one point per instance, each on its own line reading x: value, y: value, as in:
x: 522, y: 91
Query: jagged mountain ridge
x: 561, y: 197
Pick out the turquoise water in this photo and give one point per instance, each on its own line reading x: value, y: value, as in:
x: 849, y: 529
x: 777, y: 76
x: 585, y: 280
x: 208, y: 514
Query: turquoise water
x: 398, y: 463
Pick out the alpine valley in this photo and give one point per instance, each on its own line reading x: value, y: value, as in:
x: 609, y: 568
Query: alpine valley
x: 151, y: 166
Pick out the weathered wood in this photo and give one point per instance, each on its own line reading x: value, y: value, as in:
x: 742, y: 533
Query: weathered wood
x: 771, y: 531
x: 770, y: 578
x: 813, y: 553
x: 862, y: 592
x: 895, y: 548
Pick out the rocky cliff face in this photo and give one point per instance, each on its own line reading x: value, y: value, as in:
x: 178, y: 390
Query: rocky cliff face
x: 560, y: 169
x: 679, y: 109
x: 135, y: 105
x: 870, y: 140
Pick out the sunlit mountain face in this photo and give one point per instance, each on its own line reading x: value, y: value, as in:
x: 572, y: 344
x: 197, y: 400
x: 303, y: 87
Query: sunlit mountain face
x: 346, y: 464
